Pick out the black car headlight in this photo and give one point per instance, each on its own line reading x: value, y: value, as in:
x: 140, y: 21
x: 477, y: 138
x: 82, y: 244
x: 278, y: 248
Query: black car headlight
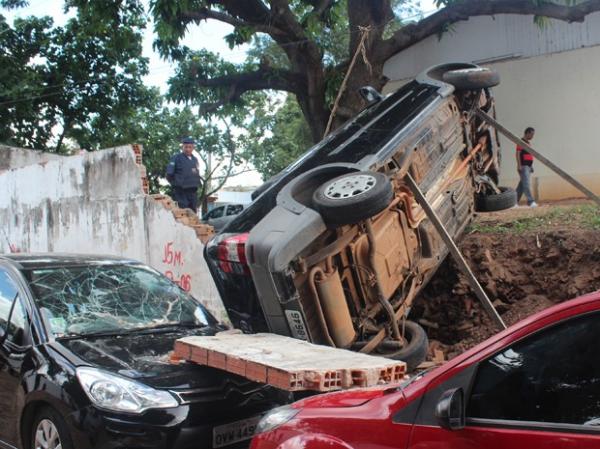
x: 275, y: 418
x: 115, y: 393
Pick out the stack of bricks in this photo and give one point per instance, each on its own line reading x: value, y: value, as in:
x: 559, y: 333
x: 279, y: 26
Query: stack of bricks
x: 187, y: 217
x: 288, y: 363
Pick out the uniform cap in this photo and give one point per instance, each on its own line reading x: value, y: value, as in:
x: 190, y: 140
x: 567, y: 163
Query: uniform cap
x: 187, y: 140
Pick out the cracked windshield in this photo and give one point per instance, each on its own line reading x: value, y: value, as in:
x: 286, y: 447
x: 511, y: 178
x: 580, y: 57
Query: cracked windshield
x: 104, y: 299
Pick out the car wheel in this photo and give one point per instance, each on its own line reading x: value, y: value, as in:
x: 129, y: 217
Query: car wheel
x: 506, y: 199
x: 414, y: 352
x: 353, y: 197
x: 49, y: 431
x: 473, y: 78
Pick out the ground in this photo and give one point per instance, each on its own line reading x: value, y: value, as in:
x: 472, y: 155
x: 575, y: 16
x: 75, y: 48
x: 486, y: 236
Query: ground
x: 526, y: 260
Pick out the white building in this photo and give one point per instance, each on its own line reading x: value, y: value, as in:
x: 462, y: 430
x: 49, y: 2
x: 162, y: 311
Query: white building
x: 550, y: 79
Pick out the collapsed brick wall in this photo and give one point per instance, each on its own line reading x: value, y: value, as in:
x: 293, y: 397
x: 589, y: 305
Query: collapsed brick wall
x: 98, y: 203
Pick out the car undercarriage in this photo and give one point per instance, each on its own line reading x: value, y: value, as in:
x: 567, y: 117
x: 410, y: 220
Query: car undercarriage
x: 344, y: 251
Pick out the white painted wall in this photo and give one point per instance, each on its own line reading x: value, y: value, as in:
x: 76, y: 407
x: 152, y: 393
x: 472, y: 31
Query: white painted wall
x: 558, y: 95
x: 12, y: 157
x: 555, y: 90
x: 94, y: 204
x: 486, y: 38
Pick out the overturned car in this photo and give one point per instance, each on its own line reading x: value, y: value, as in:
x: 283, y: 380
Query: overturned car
x: 335, y: 249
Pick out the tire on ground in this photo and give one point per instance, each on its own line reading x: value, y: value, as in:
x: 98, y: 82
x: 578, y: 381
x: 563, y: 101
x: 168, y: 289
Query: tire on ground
x: 506, y: 199
x: 471, y: 79
x: 50, y: 414
x: 414, y: 353
x: 359, y: 205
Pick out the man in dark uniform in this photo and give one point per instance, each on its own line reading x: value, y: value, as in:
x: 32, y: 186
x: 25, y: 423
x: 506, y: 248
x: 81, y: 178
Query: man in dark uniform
x: 183, y: 174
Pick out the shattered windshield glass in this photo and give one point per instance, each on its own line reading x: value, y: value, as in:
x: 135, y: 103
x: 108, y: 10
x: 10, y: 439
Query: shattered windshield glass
x: 111, y: 298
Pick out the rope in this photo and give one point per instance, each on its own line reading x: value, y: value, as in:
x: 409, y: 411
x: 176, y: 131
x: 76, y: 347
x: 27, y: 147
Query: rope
x: 363, y: 51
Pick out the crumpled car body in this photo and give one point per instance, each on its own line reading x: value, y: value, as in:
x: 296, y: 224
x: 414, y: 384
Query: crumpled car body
x: 335, y: 249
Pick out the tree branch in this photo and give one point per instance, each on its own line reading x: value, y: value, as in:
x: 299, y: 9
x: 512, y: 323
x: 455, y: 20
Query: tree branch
x: 239, y: 83
x: 206, y: 13
x: 413, y: 33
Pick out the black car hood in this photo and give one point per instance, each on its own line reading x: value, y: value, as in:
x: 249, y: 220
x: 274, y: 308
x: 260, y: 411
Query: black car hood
x: 145, y: 357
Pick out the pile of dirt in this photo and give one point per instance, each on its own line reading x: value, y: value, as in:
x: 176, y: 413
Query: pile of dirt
x: 523, y: 272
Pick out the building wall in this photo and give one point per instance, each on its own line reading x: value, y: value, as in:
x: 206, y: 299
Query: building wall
x: 558, y: 95
x: 548, y: 80
x: 485, y: 39
x: 94, y: 204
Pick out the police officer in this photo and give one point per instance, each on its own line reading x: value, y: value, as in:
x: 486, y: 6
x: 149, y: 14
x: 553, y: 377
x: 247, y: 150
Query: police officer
x: 183, y: 174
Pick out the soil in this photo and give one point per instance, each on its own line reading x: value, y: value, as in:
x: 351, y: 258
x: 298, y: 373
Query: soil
x: 525, y: 259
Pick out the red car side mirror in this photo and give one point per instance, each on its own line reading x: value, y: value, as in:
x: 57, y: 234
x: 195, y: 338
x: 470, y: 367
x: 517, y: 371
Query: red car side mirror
x: 450, y: 409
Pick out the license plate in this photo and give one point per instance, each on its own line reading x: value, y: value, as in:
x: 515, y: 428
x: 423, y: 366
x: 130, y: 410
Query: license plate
x: 296, y: 324
x: 234, y: 432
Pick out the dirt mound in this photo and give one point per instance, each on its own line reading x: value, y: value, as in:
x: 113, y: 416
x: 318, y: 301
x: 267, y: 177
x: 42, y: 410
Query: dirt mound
x: 522, y: 272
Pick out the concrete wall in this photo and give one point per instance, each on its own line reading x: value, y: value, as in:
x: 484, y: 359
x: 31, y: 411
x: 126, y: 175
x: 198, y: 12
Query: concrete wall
x: 485, y: 39
x: 12, y: 157
x: 94, y: 203
x: 556, y: 93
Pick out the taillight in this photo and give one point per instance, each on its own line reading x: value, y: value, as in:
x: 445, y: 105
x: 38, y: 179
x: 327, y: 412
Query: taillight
x: 231, y: 253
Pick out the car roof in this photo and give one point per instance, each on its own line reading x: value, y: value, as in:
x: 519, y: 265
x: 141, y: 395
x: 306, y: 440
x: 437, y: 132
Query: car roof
x: 27, y: 261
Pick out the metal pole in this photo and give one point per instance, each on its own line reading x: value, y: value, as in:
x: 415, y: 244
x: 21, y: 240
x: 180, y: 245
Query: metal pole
x: 591, y: 195
x: 458, y: 257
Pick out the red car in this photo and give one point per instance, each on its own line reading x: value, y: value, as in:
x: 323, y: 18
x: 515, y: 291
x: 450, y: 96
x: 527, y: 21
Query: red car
x: 534, y: 385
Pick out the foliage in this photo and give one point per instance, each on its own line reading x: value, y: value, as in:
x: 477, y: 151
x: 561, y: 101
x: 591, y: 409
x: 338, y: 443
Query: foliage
x: 287, y: 138
x: 65, y: 77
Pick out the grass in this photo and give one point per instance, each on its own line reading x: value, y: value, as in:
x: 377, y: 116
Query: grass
x: 583, y: 216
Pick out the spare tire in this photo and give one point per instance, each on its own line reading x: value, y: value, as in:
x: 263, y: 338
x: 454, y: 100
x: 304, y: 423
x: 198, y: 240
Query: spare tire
x: 472, y: 79
x: 506, y: 199
x: 414, y: 353
x: 353, y: 197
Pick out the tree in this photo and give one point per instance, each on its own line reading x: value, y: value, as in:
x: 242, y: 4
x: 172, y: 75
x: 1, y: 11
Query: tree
x: 302, y: 30
x: 276, y: 138
x: 54, y: 81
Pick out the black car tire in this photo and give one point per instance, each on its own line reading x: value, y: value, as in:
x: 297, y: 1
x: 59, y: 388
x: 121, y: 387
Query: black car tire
x: 414, y: 353
x: 473, y: 78
x: 49, y: 414
x: 373, y: 194
x: 506, y: 199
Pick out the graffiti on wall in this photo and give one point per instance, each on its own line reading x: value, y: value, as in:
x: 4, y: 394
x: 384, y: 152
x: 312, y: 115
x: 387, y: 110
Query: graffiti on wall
x: 174, y: 260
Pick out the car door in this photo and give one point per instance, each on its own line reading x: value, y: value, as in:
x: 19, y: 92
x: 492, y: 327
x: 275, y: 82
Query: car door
x: 13, y: 344
x: 541, y: 392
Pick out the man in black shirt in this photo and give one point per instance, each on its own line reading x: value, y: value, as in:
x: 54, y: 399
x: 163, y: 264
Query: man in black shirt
x: 184, y: 175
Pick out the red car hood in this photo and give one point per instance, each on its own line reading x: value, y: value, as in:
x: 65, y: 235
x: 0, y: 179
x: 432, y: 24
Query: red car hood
x: 342, y: 399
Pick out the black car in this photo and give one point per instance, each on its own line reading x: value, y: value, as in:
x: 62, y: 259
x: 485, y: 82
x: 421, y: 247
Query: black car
x: 84, y: 361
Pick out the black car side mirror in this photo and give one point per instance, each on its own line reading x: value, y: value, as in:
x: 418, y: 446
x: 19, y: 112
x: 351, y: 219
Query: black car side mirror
x: 450, y: 409
x: 370, y: 95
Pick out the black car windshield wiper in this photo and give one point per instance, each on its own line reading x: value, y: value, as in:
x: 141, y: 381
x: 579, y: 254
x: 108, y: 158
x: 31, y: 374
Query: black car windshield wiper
x: 137, y: 330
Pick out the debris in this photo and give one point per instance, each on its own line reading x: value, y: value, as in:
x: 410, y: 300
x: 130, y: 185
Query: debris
x: 289, y: 363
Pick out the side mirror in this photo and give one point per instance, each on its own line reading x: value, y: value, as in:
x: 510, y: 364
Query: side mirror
x: 450, y: 410
x: 370, y: 95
